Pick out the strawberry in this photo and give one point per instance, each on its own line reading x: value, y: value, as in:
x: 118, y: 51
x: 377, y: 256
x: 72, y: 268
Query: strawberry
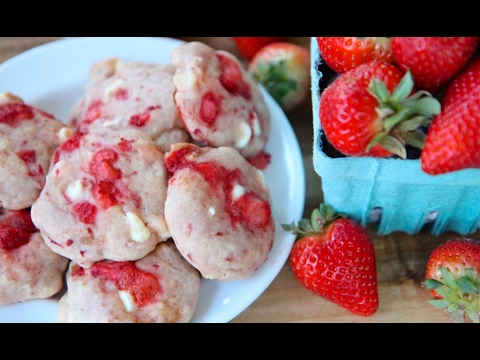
x: 345, y: 53
x: 452, y: 277
x: 284, y: 70
x: 433, y: 61
x: 451, y: 142
x: 249, y: 46
x: 334, y: 257
x: 373, y: 110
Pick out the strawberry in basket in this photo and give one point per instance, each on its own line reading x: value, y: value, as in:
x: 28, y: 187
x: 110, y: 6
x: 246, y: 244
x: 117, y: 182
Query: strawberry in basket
x: 452, y: 141
x: 373, y: 110
x: 344, y: 53
x: 433, y: 61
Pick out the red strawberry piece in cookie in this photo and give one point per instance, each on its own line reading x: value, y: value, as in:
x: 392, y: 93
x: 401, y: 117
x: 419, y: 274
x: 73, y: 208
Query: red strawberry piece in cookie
x: 219, y: 101
x: 218, y: 210
x: 104, y: 197
x: 28, y: 268
x: 162, y: 287
x: 131, y: 94
x: 28, y: 138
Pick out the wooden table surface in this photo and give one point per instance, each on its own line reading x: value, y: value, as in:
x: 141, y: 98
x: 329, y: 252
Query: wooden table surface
x: 401, y: 258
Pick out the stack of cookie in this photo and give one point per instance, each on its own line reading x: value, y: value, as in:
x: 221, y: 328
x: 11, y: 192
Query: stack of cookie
x: 156, y: 184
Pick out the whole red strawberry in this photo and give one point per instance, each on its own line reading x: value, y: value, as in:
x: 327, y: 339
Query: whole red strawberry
x: 334, y: 257
x: 373, y: 110
x: 452, y: 277
x: 433, y: 61
x: 284, y: 70
x: 345, y: 53
x: 249, y: 46
x: 452, y: 142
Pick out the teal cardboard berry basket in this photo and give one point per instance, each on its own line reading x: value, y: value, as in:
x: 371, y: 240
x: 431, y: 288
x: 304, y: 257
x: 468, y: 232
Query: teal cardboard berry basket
x: 393, y: 194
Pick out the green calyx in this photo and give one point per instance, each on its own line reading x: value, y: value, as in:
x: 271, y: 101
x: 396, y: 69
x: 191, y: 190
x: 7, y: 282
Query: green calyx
x: 274, y: 77
x: 460, y: 297
x: 321, y: 216
x: 402, y: 114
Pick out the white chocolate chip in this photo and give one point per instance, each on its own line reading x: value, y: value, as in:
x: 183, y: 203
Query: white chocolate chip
x: 237, y: 192
x: 244, y: 134
x: 127, y: 300
x: 64, y: 133
x: 139, y: 232
x: 111, y: 89
x: 74, y: 190
x: 211, y: 210
x: 4, y: 143
x: 115, y: 121
x: 257, y: 129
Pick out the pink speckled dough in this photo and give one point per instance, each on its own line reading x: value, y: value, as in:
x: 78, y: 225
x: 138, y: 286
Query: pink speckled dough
x: 104, y: 189
x: 30, y: 271
x: 218, y: 100
x: 92, y: 299
x: 131, y: 94
x: 28, y: 138
x: 218, y: 211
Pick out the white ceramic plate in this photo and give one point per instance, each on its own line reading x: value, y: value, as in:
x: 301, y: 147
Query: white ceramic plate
x: 52, y: 77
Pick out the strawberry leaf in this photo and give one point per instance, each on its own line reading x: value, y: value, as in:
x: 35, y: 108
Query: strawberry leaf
x: 471, y: 274
x: 432, y: 284
x: 396, y: 118
x: 442, y: 291
x: 380, y: 91
x: 466, y: 286
x: 413, y: 123
x: 326, y: 212
x: 439, y: 303
x: 306, y: 226
x: 317, y: 220
x: 426, y: 106
x: 415, y: 139
x: 393, y: 145
x: 448, y: 278
x: 404, y: 88
x: 472, y: 314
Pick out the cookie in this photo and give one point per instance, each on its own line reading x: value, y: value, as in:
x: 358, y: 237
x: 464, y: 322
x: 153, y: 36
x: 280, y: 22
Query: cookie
x: 104, y: 197
x: 28, y: 138
x: 130, y: 94
x: 28, y: 268
x: 218, y: 211
x: 162, y: 287
x: 219, y: 101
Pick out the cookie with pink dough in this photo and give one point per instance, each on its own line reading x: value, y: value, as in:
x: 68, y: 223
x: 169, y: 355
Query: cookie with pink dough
x: 219, y: 101
x: 162, y: 287
x: 218, y: 210
x: 28, y: 268
x: 104, y: 197
x: 130, y: 94
x: 28, y: 138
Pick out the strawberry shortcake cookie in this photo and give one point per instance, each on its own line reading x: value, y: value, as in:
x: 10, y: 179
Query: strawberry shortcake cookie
x: 130, y: 94
x: 28, y: 138
x: 104, y: 197
x: 218, y: 210
x: 28, y: 268
x: 162, y: 287
x: 219, y: 101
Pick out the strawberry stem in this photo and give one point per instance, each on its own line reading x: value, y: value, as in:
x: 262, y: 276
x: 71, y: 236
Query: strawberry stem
x: 459, y: 297
x: 320, y: 217
x: 402, y: 113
